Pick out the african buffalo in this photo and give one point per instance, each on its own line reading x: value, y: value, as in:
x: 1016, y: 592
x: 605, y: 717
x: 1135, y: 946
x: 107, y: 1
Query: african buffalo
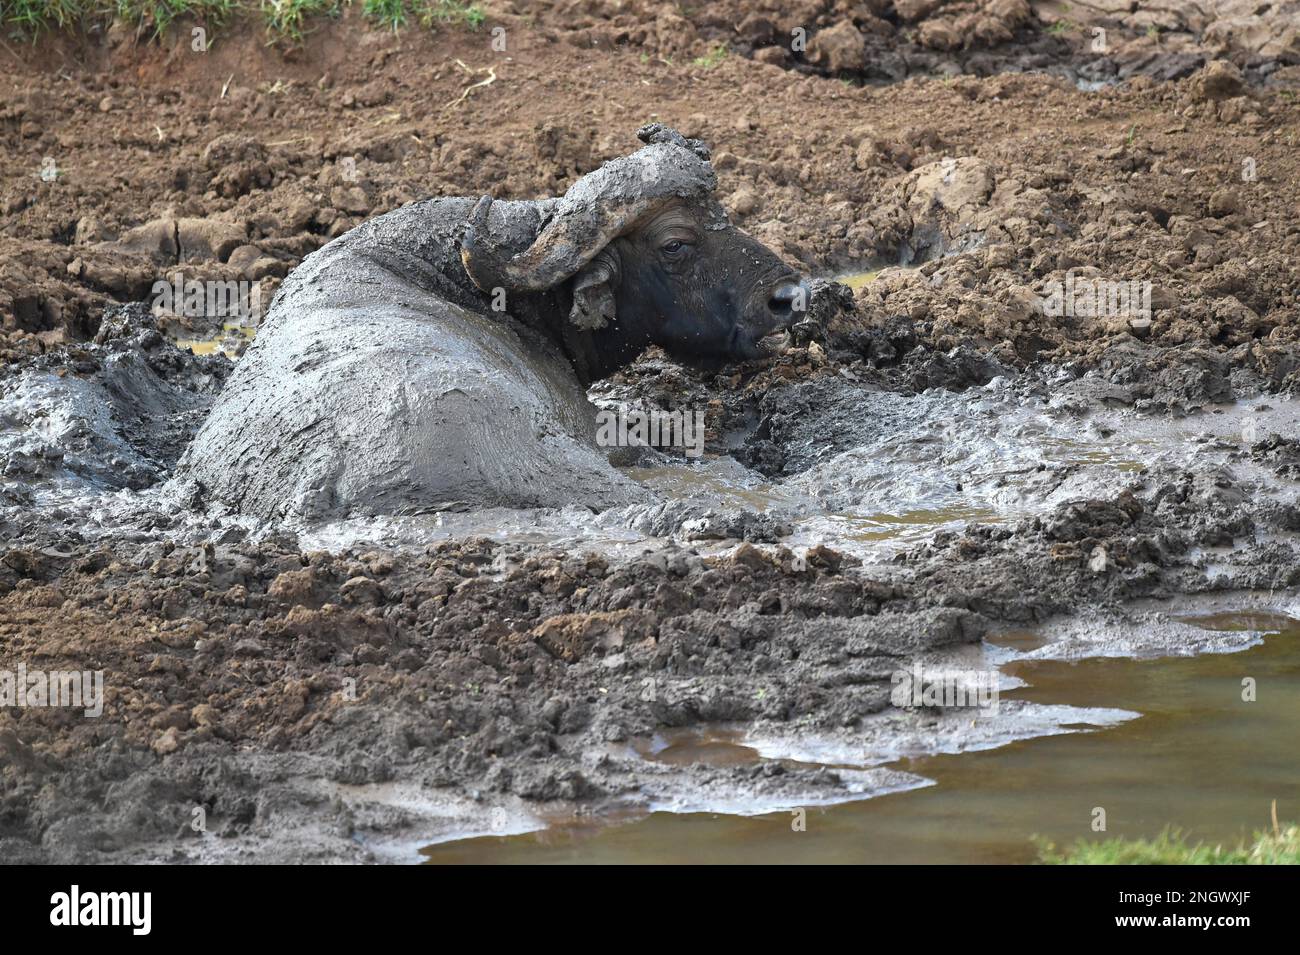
x: 437, y: 355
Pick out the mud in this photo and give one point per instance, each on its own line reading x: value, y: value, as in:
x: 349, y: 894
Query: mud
x: 1146, y: 738
x: 112, y: 413
x: 933, y: 458
x: 282, y: 688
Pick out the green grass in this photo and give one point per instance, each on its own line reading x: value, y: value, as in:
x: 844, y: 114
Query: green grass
x: 717, y: 53
x: 161, y: 13
x: 397, y: 13
x: 284, y: 19
x: 1280, y: 847
x: 31, y: 16
x: 390, y: 13
x: 287, y: 19
x: 449, y: 11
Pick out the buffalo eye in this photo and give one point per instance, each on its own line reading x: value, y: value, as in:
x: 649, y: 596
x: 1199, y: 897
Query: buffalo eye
x: 673, y: 247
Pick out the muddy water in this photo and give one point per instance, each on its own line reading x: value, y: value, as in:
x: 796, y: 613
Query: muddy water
x: 230, y: 341
x: 1198, y: 757
x: 855, y: 280
x: 923, y: 463
x: 1155, y: 742
x: 940, y: 461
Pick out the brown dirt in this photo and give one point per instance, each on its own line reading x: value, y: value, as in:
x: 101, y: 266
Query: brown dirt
x: 156, y: 167
x: 234, y: 163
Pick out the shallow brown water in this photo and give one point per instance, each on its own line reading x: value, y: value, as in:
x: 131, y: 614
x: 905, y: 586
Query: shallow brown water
x: 227, y: 341
x: 855, y: 280
x: 1198, y: 758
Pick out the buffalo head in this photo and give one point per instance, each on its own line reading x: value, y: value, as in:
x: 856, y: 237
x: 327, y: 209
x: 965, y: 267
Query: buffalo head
x: 647, y: 256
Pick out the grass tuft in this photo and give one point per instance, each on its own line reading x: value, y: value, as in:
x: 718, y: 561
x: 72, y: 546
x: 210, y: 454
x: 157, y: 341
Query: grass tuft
x: 717, y: 53
x: 1280, y: 847
x: 283, y: 19
x: 389, y: 13
x: 450, y: 12
x: 160, y: 13
x: 287, y: 19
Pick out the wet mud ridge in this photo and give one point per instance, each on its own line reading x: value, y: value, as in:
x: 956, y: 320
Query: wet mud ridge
x: 948, y: 451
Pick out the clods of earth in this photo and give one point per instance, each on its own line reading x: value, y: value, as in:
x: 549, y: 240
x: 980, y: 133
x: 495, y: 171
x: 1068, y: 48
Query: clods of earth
x: 934, y: 459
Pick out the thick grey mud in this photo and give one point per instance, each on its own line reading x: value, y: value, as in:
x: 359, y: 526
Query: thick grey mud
x: 682, y: 667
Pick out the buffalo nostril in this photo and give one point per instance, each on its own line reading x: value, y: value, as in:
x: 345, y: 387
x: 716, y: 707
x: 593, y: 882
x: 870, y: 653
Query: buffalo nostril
x: 787, y: 300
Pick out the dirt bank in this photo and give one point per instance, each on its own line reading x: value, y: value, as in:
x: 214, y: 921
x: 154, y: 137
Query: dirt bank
x: 347, y: 700
x: 237, y: 162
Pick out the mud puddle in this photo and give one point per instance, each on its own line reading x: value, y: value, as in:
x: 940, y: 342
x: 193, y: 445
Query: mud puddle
x: 1197, y: 756
x: 930, y: 462
x: 855, y: 280
x: 232, y: 340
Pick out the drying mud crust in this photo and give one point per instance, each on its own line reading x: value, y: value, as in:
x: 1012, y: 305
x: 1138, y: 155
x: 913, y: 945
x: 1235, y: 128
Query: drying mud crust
x: 971, y: 441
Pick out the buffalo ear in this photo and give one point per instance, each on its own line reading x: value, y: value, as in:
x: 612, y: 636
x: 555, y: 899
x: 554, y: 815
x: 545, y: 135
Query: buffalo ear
x: 593, y: 292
